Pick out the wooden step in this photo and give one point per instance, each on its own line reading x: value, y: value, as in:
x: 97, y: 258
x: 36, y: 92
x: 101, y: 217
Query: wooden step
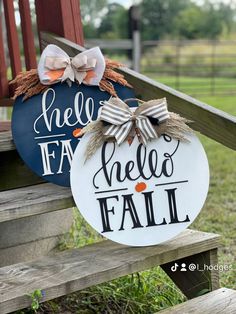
x: 6, y: 141
x: 33, y: 200
x: 221, y: 301
x: 14, y: 172
x: 76, y: 269
x: 5, y: 126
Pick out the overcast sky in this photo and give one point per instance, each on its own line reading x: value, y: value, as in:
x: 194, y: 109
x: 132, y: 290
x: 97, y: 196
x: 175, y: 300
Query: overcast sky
x: 128, y: 3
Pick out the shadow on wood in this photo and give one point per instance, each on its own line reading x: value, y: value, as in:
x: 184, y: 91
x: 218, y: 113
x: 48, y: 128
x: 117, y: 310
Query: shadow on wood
x: 201, y: 273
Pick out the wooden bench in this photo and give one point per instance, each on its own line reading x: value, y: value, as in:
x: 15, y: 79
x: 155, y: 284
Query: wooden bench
x: 33, y: 215
x: 219, y: 301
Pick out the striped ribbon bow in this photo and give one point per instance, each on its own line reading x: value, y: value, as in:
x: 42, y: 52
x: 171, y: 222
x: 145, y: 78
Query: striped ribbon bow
x: 123, y: 119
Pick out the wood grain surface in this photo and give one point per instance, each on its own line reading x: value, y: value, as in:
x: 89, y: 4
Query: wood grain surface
x: 76, y: 269
x: 220, y: 301
x: 33, y: 200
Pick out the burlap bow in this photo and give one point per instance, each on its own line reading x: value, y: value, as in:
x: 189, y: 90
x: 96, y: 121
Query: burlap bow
x: 123, y: 119
x: 55, y: 65
x: 117, y: 121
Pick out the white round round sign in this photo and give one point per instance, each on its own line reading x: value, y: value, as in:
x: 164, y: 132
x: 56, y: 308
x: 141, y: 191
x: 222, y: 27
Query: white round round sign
x: 138, y: 195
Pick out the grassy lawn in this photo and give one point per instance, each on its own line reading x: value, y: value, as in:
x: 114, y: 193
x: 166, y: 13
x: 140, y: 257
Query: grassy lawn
x: 219, y: 214
x: 200, y: 87
x: 152, y: 290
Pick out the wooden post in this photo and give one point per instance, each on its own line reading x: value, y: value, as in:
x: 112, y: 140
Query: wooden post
x: 196, y: 274
x: 177, y: 67
x: 213, y: 74
x: 134, y: 25
x: 61, y: 17
x: 12, y: 37
x: 27, y: 34
x: 3, y: 66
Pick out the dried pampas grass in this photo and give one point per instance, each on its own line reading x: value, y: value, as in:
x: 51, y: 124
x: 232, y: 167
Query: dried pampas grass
x: 27, y: 83
x: 176, y: 127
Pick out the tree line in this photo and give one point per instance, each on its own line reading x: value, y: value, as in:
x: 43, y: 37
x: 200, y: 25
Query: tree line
x: 160, y: 19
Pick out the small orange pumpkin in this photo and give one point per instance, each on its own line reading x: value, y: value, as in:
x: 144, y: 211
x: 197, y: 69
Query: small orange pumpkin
x: 130, y: 140
x: 76, y: 132
x: 140, y: 187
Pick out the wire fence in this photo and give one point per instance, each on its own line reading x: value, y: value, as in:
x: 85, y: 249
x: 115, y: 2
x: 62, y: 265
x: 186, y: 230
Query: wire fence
x: 197, y: 67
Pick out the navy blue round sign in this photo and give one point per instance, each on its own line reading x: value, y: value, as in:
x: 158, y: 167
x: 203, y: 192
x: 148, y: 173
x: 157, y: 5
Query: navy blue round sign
x: 44, y: 127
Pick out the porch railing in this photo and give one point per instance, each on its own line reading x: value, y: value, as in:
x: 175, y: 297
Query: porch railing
x: 61, y: 17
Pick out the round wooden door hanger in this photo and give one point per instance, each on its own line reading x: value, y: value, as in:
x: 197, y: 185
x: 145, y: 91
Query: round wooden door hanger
x: 141, y: 195
x: 45, y: 126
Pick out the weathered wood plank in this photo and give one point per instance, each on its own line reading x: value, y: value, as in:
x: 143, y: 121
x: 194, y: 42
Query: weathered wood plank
x: 77, y: 269
x: 208, y: 120
x: 5, y: 126
x: 29, y: 229
x: 69, y: 46
x: 27, y: 251
x: 195, y: 280
x: 212, y: 122
x: 29, y: 238
x: 6, y: 102
x: 14, y: 172
x: 219, y: 301
x: 121, y: 44
x: 33, y: 200
x: 6, y: 141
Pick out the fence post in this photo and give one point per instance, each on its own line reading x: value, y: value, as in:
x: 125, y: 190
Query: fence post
x: 177, y: 66
x: 213, y: 50
x: 134, y: 26
x: 61, y: 17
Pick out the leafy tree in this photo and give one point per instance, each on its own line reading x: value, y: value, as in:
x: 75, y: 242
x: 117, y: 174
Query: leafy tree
x: 190, y: 23
x: 186, y: 19
x: 158, y: 17
x: 206, y: 21
x: 92, y: 12
x: 212, y: 22
x: 90, y: 31
x: 115, y: 23
x: 226, y: 14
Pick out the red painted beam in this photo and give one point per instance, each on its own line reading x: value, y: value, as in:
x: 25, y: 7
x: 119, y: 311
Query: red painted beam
x: 3, y: 67
x: 12, y: 37
x: 61, y: 17
x: 27, y: 34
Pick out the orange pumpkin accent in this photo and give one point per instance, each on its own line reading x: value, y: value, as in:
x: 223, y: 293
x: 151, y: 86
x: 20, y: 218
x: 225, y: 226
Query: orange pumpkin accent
x: 76, y: 132
x: 130, y: 140
x: 55, y: 74
x: 140, y: 187
x: 89, y: 76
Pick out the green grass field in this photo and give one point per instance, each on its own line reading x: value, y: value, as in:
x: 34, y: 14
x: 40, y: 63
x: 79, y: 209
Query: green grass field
x: 152, y: 290
x: 200, y: 87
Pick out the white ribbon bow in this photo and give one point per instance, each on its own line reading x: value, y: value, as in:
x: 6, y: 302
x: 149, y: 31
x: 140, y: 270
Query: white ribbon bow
x: 123, y: 119
x: 56, y: 66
